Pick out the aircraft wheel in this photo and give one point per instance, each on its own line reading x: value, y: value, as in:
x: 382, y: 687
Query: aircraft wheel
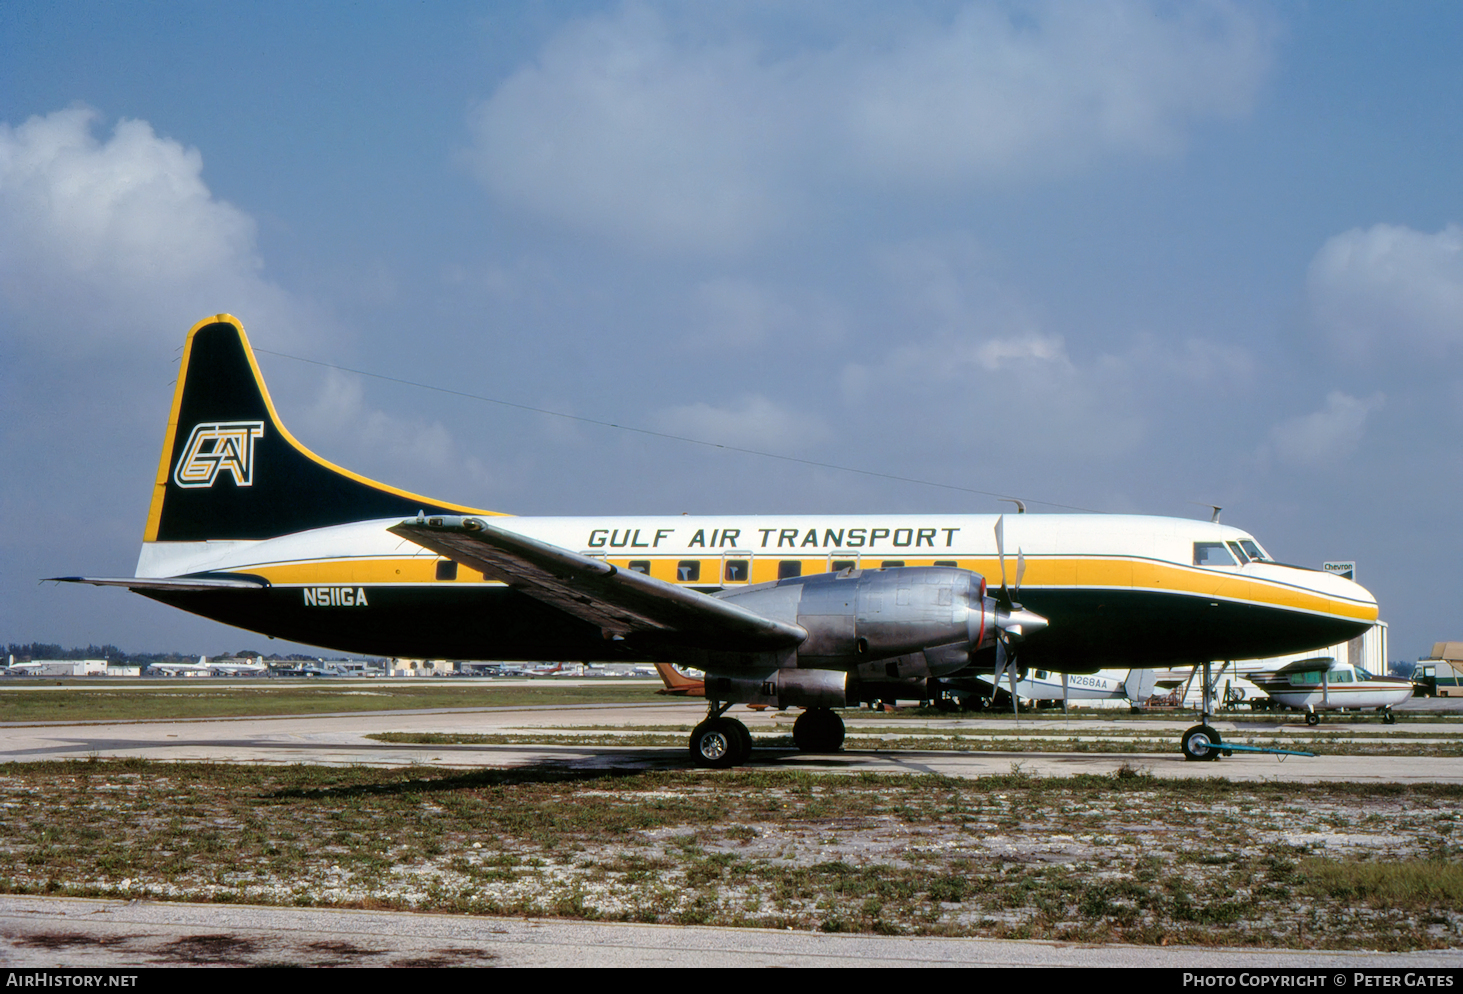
x: 1388, y: 718
x: 1201, y: 743
x: 746, y: 740
x: 1312, y: 718
x: 716, y: 743
x: 818, y: 730
x: 943, y: 703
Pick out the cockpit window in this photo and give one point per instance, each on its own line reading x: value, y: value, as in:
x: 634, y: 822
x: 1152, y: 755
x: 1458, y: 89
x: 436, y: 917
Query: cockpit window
x: 1212, y: 554
x: 1238, y: 553
x: 1253, y: 550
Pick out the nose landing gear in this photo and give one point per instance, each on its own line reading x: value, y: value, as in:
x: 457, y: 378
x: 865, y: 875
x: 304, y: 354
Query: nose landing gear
x: 1201, y: 743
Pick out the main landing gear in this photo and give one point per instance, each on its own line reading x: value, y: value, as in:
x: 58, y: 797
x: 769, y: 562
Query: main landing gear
x: 720, y: 742
x: 818, y: 730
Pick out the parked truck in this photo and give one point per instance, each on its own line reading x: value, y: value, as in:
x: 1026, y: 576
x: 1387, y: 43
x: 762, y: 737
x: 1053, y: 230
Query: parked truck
x: 1441, y: 675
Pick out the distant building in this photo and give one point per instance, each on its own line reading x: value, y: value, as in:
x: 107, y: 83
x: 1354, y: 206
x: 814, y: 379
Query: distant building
x: 57, y: 667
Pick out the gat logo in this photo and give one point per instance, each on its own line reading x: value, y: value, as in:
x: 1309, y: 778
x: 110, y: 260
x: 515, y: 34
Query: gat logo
x: 219, y: 447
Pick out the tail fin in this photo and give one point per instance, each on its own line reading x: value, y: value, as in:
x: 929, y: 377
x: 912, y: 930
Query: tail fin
x: 230, y: 469
x: 677, y: 684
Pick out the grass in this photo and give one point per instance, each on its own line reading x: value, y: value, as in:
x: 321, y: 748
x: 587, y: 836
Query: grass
x: 1124, y: 858
x: 1415, y: 886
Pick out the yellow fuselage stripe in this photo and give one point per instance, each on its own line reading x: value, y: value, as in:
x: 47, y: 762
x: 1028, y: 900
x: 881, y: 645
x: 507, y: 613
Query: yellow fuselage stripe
x: 1113, y: 573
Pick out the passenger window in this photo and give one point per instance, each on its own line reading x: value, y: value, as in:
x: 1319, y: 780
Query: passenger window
x: 736, y: 571
x: 688, y: 570
x: 1212, y: 554
x: 640, y: 566
x: 839, y: 565
x: 891, y: 564
x: 446, y: 569
x: 946, y: 562
x: 1338, y: 676
x: 789, y: 568
x: 1239, y: 553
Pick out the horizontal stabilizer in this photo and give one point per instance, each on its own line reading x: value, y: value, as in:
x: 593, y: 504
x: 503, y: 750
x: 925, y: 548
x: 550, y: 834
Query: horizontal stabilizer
x: 620, y: 602
x: 176, y: 583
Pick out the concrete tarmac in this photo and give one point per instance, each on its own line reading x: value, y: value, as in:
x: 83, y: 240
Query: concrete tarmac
x: 342, y: 740
x: 40, y: 932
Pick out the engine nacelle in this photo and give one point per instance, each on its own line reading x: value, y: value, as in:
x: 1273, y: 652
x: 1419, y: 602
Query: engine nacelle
x: 786, y: 688
x: 928, y: 620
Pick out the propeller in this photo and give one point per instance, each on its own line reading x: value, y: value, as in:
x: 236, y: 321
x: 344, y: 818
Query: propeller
x: 1013, y: 622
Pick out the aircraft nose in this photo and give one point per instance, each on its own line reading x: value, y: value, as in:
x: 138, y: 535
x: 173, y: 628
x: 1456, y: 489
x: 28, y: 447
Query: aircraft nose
x: 1343, y: 597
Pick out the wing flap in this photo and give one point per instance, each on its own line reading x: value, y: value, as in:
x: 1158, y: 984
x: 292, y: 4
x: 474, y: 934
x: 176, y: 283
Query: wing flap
x: 621, y: 602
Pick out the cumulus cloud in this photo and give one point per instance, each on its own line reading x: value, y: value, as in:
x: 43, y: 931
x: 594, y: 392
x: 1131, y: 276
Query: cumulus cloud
x: 972, y: 350
x: 1389, y: 287
x: 120, y: 241
x: 752, y: 422
x: 710, y: 136
x: 1325, y: 437
x: 996, y: 95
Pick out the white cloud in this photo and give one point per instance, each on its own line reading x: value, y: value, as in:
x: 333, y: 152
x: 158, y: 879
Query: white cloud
x: 753, y: 422
x: 1389, y: 288
x: 1325, y: 437
x: 972, y: 350
x: 120, y: 242
x: 687, y: 135
x: 997, y: 95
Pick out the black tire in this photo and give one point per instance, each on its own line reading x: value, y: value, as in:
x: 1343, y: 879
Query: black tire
x: 1312, y: 718
x: 1201, y: 744
x: 745, y: 738
x: 1388, y: 718
x: 818, y: 730
x: 715, y: 743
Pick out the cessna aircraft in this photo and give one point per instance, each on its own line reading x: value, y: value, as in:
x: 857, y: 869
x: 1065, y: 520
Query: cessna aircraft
x: 250, y: 528
x: 1324, y: 684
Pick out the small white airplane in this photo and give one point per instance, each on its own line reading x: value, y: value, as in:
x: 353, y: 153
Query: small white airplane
x: 1323, y: 684
x: 1133, y: 686
x: 250, y: 528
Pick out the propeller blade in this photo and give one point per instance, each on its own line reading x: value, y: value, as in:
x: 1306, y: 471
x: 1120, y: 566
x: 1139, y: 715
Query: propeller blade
x: 1020, y: 572
x: 1001, y: 554
x: 1014, y: 709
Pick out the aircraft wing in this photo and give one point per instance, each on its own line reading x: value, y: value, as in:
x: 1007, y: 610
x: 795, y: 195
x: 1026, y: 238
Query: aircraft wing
x: 620, y: 602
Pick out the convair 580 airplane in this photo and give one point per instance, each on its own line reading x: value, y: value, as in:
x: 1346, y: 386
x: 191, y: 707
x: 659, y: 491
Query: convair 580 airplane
x: 250, y: 528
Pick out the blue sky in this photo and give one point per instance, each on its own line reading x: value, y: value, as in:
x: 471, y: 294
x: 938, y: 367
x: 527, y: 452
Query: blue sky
x: 1118, y: 256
